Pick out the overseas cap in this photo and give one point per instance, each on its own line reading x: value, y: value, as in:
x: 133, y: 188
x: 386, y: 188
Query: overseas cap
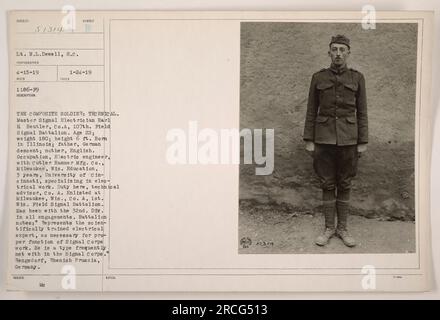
x: 341, y: 39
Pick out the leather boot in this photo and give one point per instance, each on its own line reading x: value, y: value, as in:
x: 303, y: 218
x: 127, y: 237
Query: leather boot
x: 341, y: 231
x: 329, y: 209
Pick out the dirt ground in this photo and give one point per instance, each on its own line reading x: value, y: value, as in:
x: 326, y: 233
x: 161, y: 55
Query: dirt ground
x: 292, y: 233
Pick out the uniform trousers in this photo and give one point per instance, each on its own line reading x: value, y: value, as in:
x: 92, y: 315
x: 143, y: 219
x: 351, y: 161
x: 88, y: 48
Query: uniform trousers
x: 335, y: 166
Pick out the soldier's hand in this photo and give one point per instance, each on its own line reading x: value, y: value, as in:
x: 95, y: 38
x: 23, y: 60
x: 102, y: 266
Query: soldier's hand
x: 310, y: 146
x: 362, y: 147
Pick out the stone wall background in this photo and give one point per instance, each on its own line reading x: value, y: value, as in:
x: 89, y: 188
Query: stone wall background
x: 277, y: 63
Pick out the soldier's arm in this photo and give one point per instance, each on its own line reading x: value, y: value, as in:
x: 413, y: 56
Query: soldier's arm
x: 362, y: 115
x: 312, y: 109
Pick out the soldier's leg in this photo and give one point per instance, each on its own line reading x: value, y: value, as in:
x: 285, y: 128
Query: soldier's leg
x: 325, y: 168
x: 346, y: 169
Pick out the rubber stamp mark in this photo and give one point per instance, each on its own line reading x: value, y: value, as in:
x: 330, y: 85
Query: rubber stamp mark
x: 245, y: 242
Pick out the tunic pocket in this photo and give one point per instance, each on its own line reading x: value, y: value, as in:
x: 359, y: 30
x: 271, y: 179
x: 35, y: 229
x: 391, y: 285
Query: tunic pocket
x: 351, y: 119
x: 321, y: 119
x: 351, y: 86
x: 350, y: 91
x: 349, y: 130
x: 324, y: 85
x: 326, y: 91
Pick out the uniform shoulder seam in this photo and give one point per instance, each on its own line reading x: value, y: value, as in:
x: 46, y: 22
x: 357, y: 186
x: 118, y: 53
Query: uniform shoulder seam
x: 320, y: 71
x: 359, y: 74
x: 355, y: 70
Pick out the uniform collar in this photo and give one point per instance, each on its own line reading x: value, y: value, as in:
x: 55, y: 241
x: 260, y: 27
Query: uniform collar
x: 336, y: 70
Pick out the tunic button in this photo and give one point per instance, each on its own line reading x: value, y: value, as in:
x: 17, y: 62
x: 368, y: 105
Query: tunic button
x: 336, y: 118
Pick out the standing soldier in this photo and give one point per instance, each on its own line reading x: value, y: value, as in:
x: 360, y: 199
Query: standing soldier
x: 336, y: 133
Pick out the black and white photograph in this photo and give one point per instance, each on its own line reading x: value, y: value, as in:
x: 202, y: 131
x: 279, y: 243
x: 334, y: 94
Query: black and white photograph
x: 341, y: 100
x: 247, y: 152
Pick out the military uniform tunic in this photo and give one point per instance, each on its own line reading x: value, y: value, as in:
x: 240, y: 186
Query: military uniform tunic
x: 336, y: 121
x: 337, y: 108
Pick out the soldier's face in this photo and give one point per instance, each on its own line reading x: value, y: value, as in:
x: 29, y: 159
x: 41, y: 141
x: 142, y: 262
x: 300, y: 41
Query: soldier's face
x: 339, y: 53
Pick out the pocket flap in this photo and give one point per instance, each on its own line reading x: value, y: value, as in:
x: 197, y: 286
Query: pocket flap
x: 321, y: 119
x: 351, y: 119
x: 324, y: 85
x: 351, y: 86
